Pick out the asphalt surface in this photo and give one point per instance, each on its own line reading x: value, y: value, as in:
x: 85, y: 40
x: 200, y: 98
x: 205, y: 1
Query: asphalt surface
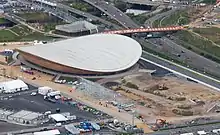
x: 187, y: 56
x: 160, y: 72
x: 113, y: 12
x: 6, y: 127
x: 193, y: 129
x: 36, y: 103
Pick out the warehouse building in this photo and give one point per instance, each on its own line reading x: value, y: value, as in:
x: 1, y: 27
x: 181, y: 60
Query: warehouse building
x: 26, y: 117
x: 58, y: 118
x: 13, y: 86
x: 49, y: 132
x: 72, y: 129
x: 78, y: 28
x: 5, y: 113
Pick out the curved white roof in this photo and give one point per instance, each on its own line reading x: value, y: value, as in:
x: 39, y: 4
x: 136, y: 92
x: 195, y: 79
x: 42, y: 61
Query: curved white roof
x: 98, y: 52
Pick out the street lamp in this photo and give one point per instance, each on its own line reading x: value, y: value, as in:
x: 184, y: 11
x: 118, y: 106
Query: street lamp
x: 133, y: 115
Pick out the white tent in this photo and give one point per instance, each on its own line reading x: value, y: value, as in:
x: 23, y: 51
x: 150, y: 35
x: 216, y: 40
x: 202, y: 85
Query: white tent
x: 58, y: 117
x: 201, y: 132
x: 13, y: 86
x: 49, y: 132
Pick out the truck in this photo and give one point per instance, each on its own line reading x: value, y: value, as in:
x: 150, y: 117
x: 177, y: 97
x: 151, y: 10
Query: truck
x: 53, y: 93
x: 24, y: 68
x: 44, y: 90
x: 27, y: 70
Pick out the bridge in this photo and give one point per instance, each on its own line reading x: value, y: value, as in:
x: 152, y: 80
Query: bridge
x: 142, y: 30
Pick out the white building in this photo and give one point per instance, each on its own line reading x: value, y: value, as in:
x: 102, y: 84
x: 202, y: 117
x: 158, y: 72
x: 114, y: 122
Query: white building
x: 26, y: 117
x: 49, y: 132
x: 44, y: 90
x: 13, y: 86
x: 58, y: 117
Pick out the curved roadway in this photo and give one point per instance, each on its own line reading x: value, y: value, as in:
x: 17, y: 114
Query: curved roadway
x: 113, y: 12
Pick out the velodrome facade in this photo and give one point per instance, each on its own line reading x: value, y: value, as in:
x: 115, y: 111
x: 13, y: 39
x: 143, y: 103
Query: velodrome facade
x: 97, y: 54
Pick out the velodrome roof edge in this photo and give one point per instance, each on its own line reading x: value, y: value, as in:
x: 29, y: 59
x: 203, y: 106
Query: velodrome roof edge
x: 128, y: 51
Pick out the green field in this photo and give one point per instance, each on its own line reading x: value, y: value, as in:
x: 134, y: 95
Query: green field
x: 180, y: 17
x: 139, y: 19
x: 212, y: 33
x: 2, y: 21
x: 209, y: 1
x: 21, y: 30
x: 34, y: 16
x: 81, y: 6
x: 199, y: 45
x: 6, y: 35
x: 23, y: 34
x: 36, y: 36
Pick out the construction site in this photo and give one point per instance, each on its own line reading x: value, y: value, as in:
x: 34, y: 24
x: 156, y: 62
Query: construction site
x: 165, y: 96
x: 169, y: 97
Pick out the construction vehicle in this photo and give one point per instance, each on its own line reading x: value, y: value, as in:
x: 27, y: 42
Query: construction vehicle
x: 160, y: 123
x: 162, y: 87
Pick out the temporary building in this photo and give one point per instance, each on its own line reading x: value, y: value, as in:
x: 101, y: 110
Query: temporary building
x: 72, y: 129
x: 13, y: 86
x: 49, y: 132
x: 58, y: 117
x: 201, y: 132
x: 44, y: 90
x: 95, y: 126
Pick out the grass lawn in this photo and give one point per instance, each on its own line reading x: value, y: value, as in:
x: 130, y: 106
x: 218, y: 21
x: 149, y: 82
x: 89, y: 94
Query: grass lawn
x: 6, y: 35
x: 36, y: 36
x: 209, y: 1
x: 156, y: 23
x: 212, y: 33
x: 178, y: 18
x: 51, y: 26
x: 21, y: 30
x: 200, y: 45
x: 2, y: 21
x: 139, y: 19
x: 25, y: 34
x: 34, y: 16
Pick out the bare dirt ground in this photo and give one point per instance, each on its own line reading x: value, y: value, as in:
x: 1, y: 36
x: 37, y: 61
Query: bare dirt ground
x: 208, y: 13
x: 167, y: 97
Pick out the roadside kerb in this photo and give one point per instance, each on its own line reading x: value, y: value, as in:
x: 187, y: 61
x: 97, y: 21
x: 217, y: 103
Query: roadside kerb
x: 181, y: 73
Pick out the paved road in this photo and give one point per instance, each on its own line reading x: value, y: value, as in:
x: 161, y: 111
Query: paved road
x: 145, y: 2
x: 90, y: 16
x: 187, y: 56
x: 207, y: 128
x: 149, y: 22
x: 183, y: 70
x: 113, y: 12
x: 29, y: 130
x: 61, y: 11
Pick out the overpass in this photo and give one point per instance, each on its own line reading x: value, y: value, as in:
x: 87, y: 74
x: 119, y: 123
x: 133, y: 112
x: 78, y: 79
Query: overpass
x: 145, y: 2
x: 141, y: 30
x: 113, y: 12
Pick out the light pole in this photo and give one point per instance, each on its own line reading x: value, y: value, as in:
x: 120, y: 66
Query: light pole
x: 133, y: 115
